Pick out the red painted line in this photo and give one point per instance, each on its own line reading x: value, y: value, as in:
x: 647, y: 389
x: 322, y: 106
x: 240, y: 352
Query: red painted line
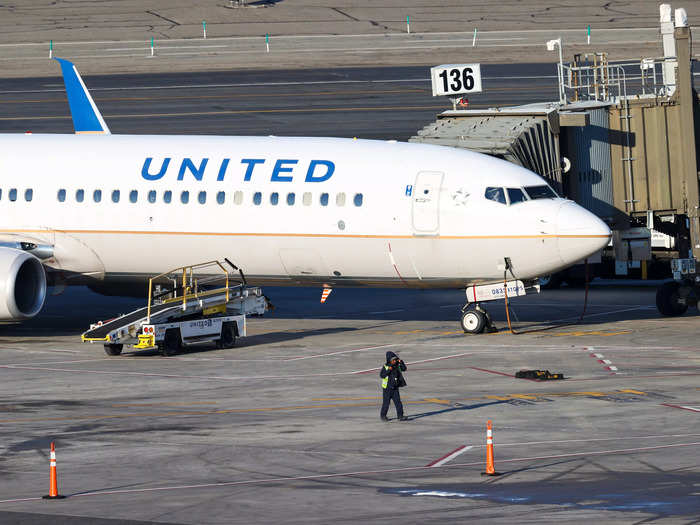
x: 445, y: 456
x: 491, y: 371
x: 689, y: 409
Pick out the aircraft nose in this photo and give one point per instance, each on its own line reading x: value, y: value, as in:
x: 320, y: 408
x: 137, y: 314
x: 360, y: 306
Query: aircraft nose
x: 581, y: 234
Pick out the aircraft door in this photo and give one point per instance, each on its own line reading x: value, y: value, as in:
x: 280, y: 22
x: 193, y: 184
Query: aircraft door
x: 426, y: 203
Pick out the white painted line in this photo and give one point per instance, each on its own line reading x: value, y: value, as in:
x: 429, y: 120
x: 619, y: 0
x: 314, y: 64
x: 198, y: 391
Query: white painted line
x: 365, y: 349
x: 350, y: 474
x: 449, y: 456
x: 683, y: 407
x: 388, y: 311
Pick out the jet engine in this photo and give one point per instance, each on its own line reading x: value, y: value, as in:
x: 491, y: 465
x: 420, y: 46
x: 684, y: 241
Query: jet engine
x: 22, y: 285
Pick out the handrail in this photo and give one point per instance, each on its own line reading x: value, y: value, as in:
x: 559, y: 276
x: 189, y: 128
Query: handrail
x: 191, y: 290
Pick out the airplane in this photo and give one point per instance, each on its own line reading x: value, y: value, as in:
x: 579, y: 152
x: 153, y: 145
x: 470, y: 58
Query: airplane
x: 108, y: 211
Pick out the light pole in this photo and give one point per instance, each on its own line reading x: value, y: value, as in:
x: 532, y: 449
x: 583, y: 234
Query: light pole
x: 560, y: 68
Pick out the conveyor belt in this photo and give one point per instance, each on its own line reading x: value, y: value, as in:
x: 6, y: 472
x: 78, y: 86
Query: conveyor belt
x: 100, y: 332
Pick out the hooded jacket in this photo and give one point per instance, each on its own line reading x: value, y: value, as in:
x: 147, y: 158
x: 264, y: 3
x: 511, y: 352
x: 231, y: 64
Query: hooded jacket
x: 393, y: 374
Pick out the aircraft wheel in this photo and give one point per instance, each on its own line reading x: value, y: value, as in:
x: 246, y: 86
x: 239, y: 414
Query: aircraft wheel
x: 668, y: 300
x: 473, y: 322
x: 113, y: 349
x: 228, y: 336
x: 171, y: 343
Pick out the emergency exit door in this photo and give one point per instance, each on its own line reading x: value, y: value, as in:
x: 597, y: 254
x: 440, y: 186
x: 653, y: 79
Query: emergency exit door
x: 426, y: 203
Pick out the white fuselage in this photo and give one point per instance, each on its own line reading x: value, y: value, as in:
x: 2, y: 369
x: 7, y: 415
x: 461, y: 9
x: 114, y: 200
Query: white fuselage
x: 423, y: 219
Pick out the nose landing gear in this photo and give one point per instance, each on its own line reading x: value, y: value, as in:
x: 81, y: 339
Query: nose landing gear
x: 476, y: 320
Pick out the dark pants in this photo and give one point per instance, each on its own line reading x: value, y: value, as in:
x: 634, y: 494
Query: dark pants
x: 389, y: 394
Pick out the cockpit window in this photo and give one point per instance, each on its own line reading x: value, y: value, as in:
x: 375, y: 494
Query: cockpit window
x: 516, y: 195
x: 540, y: 192
x: 495, y: 194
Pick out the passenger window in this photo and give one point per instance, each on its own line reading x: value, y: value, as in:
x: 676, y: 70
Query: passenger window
x: 238, y: 197
x: 340, y: 199
x: 0, y: 194
x: 290, y: 199
x: 28, y: 195
x: 133, y: 196
x: 152, y: 196
x: 221, y: 197
x: 97, y: 195
x: 495, y: 194
x: 516, y: 195
x: 257, y: 198
x: 115, y: 196
x: 202, y: 197
x: 13, y: 194
x: 79, y: 195
x: 167, y: 196
x: 185, y: 197
x: 274, y: 198
x: 61, y: 196
x: 358, y: 199
x: 306, y: 198
x: 324, y: 199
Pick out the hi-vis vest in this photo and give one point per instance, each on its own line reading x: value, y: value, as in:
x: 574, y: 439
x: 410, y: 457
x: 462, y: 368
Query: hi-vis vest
x: 385, y: 381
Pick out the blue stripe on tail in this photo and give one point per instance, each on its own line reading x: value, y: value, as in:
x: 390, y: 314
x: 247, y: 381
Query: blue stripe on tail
x: 86, y: 116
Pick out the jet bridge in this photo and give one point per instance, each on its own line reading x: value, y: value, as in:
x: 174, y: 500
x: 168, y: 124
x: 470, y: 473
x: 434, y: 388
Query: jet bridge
x: 622, y: 142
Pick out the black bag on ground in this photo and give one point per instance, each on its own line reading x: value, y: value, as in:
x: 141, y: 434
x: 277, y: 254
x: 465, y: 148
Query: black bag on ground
x: 541, y: 375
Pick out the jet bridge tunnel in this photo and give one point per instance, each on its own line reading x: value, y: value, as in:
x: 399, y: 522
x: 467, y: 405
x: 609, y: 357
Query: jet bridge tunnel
x: 621, y: 142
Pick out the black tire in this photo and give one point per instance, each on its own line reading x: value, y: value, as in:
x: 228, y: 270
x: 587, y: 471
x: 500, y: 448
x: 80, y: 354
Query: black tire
x: 113, y: 349
x: 172, y: 342
x: 668, y: 300
x: 228, y: 336
x: 550, y: 282
x: 473, y: 322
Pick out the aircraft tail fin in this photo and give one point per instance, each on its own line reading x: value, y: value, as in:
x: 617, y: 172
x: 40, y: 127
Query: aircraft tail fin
x: 86, y: 117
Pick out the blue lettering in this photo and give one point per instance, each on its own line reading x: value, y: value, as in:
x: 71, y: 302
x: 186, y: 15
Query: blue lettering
x: 147, y: 165
x: 222, y: 170
x: 279, y: 168
x: 330, y: 168
x: 187, y: 164
x: 251, y: 165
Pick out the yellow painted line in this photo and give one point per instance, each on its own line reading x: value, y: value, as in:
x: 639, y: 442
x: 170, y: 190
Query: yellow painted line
x: 239, y: 112
x: 297, y: 94
x: 228, y: 96
x: 129, y: 405
x: 601, y: 333
x: 199, y: 413
x: 438, y: 401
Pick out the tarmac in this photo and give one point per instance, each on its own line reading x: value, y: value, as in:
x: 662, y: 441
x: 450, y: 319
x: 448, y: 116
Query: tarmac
x: 285, y: 426
x: 131, y: 36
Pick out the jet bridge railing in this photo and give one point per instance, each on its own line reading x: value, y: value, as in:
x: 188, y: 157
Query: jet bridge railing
x: 595, y: 78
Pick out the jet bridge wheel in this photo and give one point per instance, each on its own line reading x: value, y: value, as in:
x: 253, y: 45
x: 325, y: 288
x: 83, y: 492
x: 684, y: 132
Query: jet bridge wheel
x: 113, y: 349
x: 172, y: 342
x: 473, y: 322
x: 669, y: 301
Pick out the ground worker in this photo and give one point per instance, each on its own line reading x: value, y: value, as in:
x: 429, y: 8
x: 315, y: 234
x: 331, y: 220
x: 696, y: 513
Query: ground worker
x: 392, y: 380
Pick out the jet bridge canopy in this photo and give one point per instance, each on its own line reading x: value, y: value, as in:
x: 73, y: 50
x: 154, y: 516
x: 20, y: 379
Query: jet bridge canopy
x: 524, y: 135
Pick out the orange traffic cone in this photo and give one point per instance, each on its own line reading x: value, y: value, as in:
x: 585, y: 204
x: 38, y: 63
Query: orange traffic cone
x: 490, y: 467
x: 53, y: 478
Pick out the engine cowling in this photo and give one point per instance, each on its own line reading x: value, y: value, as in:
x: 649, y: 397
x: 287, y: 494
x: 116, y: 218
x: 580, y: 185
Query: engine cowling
x: 22, y: 285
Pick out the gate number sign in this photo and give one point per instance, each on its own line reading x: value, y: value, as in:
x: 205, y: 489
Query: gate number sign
x: 456, y: 79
